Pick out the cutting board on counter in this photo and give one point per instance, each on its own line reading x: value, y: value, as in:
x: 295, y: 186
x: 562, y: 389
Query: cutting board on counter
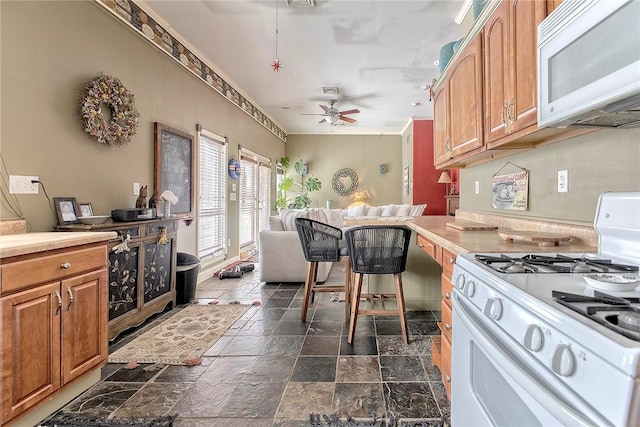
x: 539, y: 237
x: 463, y: 225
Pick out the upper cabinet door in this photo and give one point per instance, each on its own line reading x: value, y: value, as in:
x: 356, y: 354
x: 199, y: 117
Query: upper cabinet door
x: 465, y: 99
x: 441, y: 138
x: 522, y: 105
x: 497, y: 73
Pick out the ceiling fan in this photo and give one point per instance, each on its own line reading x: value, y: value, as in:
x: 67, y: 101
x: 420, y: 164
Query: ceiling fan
x: 332, y: 115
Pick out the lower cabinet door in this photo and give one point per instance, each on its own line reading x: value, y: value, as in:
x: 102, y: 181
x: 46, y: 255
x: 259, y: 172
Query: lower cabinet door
x: 84, y: 327
x: 30, y: 347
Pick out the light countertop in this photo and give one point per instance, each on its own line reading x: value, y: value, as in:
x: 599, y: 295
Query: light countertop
x: 27, y: 243
x: 435, y: 229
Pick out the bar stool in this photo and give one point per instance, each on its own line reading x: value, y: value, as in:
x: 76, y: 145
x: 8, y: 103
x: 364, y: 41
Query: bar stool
x: 377, y: 249
x: 323, y: 243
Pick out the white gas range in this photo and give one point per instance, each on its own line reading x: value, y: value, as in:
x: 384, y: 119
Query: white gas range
x: 536, y: 344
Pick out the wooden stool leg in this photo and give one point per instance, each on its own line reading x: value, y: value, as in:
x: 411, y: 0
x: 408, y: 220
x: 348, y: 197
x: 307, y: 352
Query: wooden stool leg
x: 355, y: 302
x: 312, y: 267
x: 397, y: 278
x: 347, y: 287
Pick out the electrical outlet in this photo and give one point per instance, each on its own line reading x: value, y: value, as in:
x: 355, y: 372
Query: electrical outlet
x: 477, y: 187
x: 136, y: 188
x: 19, y: 184
x: 563, y: 181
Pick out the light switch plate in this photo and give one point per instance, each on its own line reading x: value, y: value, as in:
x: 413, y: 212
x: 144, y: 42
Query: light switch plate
x: 477, y: 187
x: 232, y: 197
x: 563, y: 181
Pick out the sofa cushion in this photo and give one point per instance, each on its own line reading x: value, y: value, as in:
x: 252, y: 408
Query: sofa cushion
x: 358, y: 210
x: 288, y: 218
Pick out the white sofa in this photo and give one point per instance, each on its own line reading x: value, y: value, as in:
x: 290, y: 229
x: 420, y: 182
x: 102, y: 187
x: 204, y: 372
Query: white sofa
x: 281, y: 257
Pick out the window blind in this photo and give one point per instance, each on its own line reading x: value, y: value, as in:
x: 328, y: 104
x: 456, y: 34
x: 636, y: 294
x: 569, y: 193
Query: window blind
x: 248, y: 200
x: 212, y: 215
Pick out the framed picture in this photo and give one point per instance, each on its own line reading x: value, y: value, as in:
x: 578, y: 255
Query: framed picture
x: 66, y: 210
x: 85, y: 209
x: 173, y: 167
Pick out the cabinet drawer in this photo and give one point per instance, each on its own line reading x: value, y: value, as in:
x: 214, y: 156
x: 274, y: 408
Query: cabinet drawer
x: 448, y: 260
x: 445, y: 364
x: 32, y: 271
x: 446, y: 320
x: 446, y: 289
x: 433, y: 250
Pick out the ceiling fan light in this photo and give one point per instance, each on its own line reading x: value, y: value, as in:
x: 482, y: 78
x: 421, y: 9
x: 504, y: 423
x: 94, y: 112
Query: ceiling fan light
x: 332, y: 119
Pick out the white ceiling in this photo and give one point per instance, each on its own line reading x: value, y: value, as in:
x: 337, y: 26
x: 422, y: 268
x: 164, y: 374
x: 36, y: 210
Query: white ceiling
x: 377, y: 52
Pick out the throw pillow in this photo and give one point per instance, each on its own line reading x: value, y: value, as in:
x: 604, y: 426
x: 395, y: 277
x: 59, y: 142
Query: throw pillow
x: 389, y: 210
x: 334, y: 217
x: 417, y: 210
x: 403, y: 210
x: 374, y: 211
x: 356, y: 210
x: 288, y: 217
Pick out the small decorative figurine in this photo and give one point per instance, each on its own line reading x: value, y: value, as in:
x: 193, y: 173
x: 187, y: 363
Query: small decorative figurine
x: 154, y: 200
x: 141, y: 201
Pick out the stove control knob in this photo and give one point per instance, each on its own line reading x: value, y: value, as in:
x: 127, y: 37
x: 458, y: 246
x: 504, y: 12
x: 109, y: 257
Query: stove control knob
x: 534, y: 338
x: 563, y: 362
x: 460, y: 280
x: 470, y: 289
x: 493, y: 308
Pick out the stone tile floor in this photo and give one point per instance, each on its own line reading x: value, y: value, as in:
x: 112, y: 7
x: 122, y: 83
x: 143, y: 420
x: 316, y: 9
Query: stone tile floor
x: 271, y: 369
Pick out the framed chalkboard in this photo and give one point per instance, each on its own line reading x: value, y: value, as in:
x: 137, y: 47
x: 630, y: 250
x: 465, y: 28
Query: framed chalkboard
x: 174, y: 167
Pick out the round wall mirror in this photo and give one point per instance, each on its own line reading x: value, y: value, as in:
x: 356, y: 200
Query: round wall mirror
x: 345, y: 182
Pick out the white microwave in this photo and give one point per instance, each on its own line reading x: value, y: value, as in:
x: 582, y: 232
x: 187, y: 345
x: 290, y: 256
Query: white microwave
x: 589, y: 65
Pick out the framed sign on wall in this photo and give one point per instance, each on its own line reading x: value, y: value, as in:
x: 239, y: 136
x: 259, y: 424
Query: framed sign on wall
x: 174, y: 167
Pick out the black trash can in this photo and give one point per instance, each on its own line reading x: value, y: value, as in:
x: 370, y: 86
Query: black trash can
x: 187, y: 267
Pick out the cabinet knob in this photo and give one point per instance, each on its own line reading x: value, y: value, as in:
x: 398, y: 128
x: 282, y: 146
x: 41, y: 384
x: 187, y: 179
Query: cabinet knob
x: 447, y: 378
x: 447, y: 295
x: 447, y: 326
x: 452, y: 260
x: 65, y: 265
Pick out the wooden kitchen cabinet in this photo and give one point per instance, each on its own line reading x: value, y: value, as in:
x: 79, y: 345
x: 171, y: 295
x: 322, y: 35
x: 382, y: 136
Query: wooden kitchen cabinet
x: 54, y: 323
x: 142, y: 278
x: 465, y: 100
x: 510, y: 95
x: 458, y: 107
x: 441, y: 344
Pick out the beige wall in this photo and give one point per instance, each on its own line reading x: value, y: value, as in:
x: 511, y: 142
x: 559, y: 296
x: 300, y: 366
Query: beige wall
x: 49, y: 50
x: 362, y: 153
x: 607, y: 160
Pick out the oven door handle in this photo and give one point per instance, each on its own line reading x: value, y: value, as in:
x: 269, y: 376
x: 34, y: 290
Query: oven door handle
x: 494, y: 350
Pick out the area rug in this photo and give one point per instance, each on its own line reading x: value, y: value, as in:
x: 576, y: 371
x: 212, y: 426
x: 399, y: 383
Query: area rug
x: 181, y: 337
x: 79, y: 420
x: 333, y: 420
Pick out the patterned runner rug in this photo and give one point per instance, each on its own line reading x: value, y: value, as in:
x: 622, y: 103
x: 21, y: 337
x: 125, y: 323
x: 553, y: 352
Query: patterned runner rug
x: 181, y: 337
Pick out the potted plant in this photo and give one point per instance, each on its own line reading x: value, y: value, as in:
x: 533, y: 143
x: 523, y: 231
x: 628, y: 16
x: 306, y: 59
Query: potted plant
x: 301, y: 188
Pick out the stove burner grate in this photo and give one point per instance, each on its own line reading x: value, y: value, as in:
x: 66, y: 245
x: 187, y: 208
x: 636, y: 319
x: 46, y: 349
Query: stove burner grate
x: 613, y: 312
x: 553, y: 263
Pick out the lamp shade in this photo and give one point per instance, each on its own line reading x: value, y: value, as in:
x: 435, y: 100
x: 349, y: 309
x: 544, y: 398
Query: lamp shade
x: 444, y: 178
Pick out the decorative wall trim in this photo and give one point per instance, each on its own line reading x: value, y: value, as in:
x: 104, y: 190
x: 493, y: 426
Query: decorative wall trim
x: 141, y: 21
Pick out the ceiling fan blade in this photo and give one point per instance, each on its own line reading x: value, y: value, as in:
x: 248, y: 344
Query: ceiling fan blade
x: 312, y: 114
x: 326, y: 109
x: 347, y: 119
x: 354, y: 111
x: 322, y: 121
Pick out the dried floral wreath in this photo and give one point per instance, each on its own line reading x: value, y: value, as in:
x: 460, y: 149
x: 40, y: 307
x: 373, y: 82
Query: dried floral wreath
x: 108, y: 91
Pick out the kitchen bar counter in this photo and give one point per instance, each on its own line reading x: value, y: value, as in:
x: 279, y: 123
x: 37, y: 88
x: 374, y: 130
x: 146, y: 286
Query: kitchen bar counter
x: 28, y: 243
x: 435, y: 229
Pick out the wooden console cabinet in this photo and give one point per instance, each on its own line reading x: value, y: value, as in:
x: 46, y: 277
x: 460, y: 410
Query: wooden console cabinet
x: 141, y: 279
x: 53, y: 306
